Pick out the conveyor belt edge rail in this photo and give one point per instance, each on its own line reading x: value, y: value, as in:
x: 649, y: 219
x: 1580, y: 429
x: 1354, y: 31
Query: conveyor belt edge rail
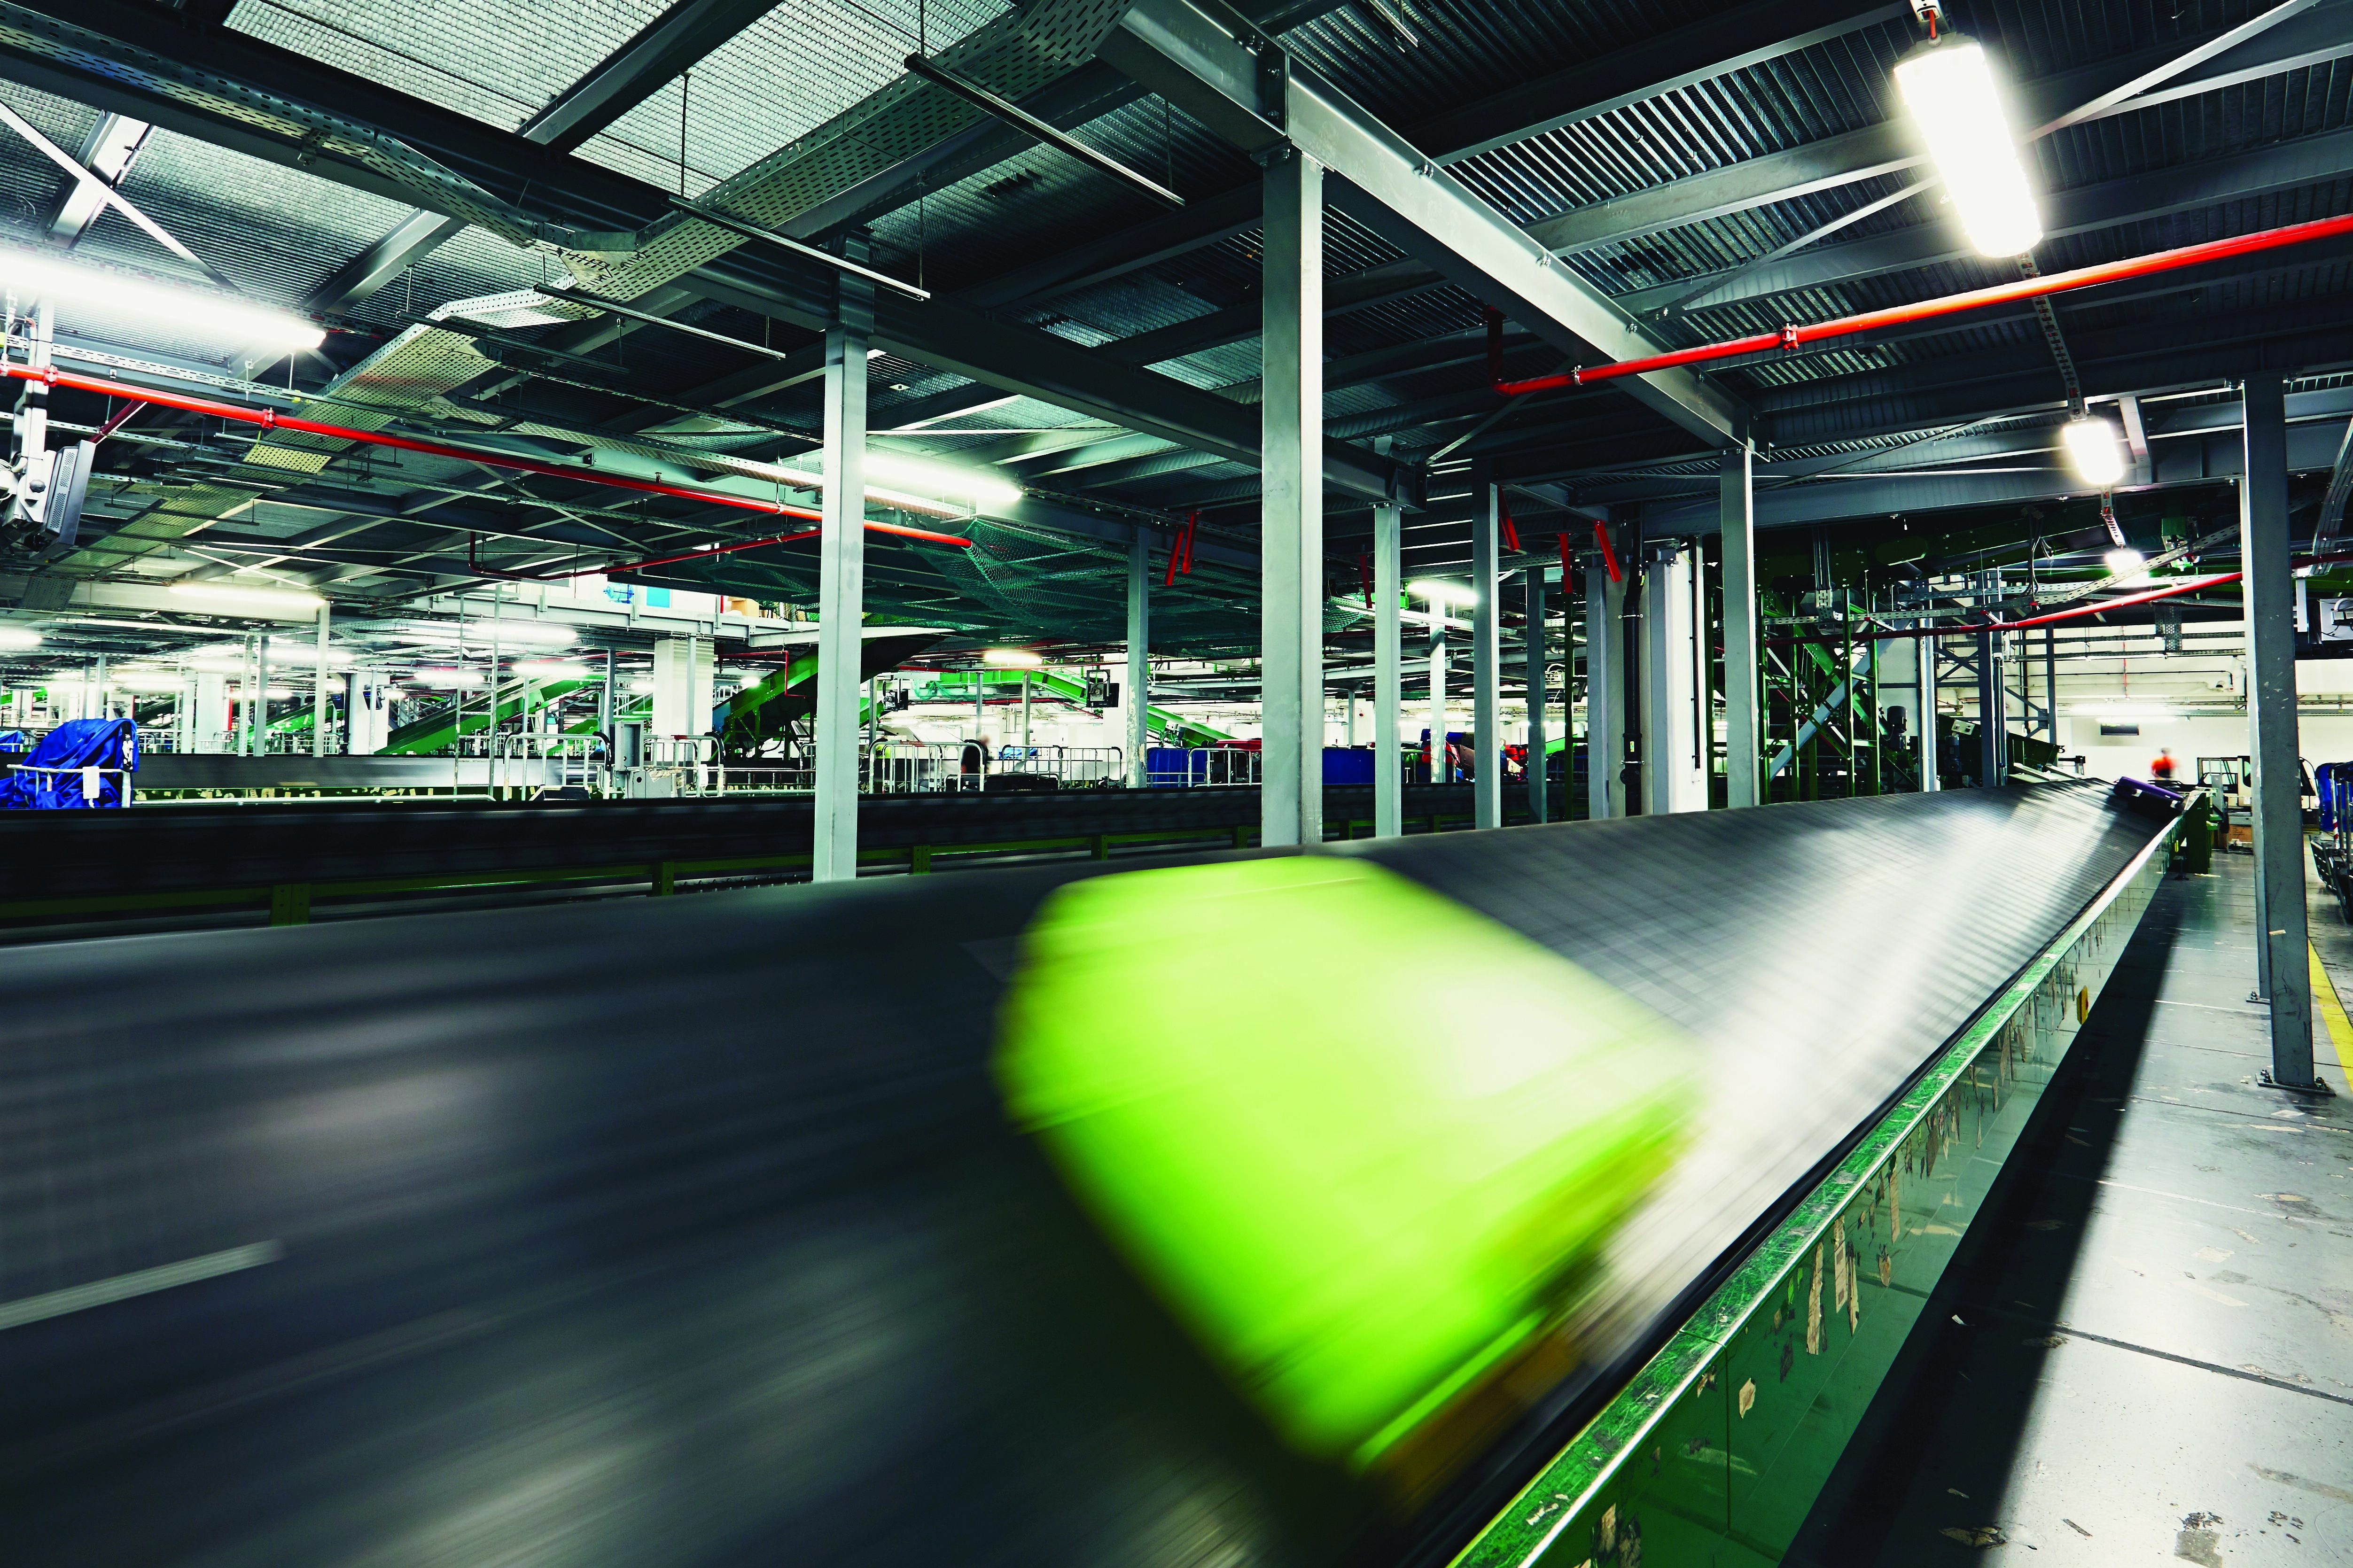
x: 1716, y: 1449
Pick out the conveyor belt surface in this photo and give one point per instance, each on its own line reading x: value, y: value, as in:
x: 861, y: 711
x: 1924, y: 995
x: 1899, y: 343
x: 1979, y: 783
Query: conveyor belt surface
x: 690, y: 1231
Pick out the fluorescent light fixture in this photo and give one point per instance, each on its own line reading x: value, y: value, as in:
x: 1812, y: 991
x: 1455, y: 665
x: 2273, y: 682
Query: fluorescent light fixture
x: 19, y: 636
x: 288, y: 650
x: 1949, y: 89
x: 177, y: 308
x: 447, y: 677
x: 552, y: 669
x: 2124, y: 563
x: 917, y: 485
x: 258, y: 601
x: 2094, y: 450
x: 1011, y: 658
x: 1442, y: 592
x: 479, y: 634
x: 641, y: 687
x: 145, y: 681
x: 951, y: 480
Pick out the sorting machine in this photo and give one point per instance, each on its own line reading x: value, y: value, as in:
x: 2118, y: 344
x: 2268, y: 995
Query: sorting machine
x: 731, y: 1229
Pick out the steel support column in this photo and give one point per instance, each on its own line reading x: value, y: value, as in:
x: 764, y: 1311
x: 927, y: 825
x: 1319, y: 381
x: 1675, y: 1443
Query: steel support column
x: 257, y: 697
x: 1389, y: 687
x: 1439, y: 771
x: 1737, y: 504
x: 1291, y: 527
x: 1139, y: 657
x: 319, y: 687
x: 1672, y: 776
x: 607, y: 689
x: 2270, y: 591
x: 2051, y: 683
x: 1486, y: 652
x: 1927, y: 738
x: 1605, y: 686
x: 1989, y: 714
x: 1538, y: 767
x: 841, y: 579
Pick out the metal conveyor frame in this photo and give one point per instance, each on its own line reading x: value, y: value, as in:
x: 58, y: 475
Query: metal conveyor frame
x: 1716, y: 1449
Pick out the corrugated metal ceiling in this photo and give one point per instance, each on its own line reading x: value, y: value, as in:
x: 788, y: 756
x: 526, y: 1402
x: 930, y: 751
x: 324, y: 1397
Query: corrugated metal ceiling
x: 279, y: 231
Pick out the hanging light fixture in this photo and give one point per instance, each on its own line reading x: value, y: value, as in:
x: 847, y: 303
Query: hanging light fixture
x: 2094, y: 450
x: 1947, y: 85
x: 183, y: 309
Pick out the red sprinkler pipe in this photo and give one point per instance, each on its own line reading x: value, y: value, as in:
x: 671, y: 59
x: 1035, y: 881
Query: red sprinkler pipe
x: 1793, y: 336
x: 1609, y: 555
x: 269, y: 418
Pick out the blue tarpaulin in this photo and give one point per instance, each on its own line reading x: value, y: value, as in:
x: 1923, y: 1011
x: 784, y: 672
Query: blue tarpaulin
x: 81, y: 764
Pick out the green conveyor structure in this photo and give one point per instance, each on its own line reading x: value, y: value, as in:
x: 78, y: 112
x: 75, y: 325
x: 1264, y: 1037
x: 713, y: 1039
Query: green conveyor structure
x: 766, y: 709
x: 958, y: 686
x: 439, y: 731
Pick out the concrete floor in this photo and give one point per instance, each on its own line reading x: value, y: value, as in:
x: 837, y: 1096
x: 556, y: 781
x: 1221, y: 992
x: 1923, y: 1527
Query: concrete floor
x: 2145, y: 1352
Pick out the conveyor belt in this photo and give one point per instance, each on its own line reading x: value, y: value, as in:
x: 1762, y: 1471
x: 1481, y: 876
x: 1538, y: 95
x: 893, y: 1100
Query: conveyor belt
x: 689, y: 1232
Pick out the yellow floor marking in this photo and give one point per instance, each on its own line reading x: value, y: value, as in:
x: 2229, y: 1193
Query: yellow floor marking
x: 2332, y: 1013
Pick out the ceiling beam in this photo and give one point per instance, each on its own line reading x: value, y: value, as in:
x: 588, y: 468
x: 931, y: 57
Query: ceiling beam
x: 1193, y: 59
x: 1008, y: 358
x: 2138, y: 356
x: 1889, y: 148
x: 1754, y: 33
x: 1735, y: 40
x: 224, y: 86
x: 1035, y: 365
x: 107, y: 152
x: 665, y: 47
x: 2307, y: 38
x: 2160, y: 192
x: 2310, y: 447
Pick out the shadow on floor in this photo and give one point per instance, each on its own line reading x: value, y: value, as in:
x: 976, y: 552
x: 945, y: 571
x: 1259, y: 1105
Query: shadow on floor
x: 1924, y: 1477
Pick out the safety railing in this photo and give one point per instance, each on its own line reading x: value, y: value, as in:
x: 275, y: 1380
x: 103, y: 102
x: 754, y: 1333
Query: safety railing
x: 1067, y: 765
x: 524, y: 762
x: 923, y: 767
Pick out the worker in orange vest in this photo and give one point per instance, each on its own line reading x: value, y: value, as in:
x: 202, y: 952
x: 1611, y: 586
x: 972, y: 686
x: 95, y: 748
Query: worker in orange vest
x: 2160, y: 768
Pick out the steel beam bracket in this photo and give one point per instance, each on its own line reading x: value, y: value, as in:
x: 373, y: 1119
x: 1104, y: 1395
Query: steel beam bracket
x: 1273, y: 78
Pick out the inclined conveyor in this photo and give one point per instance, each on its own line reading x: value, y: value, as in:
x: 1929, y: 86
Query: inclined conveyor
x: 693, y: 1230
